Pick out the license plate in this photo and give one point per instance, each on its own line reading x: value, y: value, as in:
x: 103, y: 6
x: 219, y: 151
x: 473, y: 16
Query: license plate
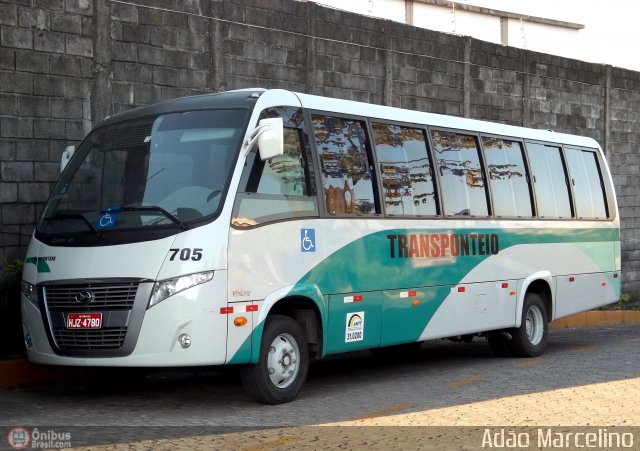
x: 84, y: 320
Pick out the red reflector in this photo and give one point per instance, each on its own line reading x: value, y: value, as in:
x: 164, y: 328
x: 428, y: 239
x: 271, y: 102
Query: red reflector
x: 461, y: 289
x: 226, y: 310
x: 572, y: 279
x: 252, y: 308
x: 505, y: 285
x: 615, y: 276
x: 604, y: 284
x: 412, y: 294
x: 357, y: 298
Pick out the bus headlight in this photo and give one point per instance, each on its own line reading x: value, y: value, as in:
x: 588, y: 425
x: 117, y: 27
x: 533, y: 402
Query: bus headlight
x: 30, y: 292
x: 165, y: 288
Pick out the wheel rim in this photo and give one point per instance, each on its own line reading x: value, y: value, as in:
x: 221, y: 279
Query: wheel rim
x: 283, y: 361
x: 534, y: 325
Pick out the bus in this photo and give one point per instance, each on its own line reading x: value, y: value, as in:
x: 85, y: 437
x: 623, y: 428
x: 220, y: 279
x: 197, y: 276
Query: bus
x: 268, y: 228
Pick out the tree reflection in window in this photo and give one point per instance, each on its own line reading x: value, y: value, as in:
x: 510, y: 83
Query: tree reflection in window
x: 507, y: 177
x: 405, y: 170
x: 346, y: 176
x: 462, y: 182
x: 285, y: 174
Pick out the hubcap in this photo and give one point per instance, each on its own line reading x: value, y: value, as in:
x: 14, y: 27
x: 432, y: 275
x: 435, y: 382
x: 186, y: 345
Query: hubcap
x: 282, y: 362
x: 534, y: 325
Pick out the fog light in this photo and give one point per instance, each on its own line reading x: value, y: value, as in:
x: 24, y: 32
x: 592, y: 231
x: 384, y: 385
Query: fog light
x: 184, y: 340
x: 28, y: 341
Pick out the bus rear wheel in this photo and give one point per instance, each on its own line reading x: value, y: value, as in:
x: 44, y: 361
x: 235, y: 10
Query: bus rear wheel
x: 283, y: 364
x: 530, y: 339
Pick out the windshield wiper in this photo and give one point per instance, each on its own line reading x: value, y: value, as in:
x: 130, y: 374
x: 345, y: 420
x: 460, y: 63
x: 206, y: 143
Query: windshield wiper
x: 181, y: 225
x: 98, y: 233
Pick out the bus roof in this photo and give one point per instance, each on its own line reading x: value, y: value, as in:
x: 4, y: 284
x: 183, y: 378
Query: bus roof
x: 246, y: 98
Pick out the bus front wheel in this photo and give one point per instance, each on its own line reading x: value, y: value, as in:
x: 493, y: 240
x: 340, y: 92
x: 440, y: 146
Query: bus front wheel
x: 283, y: 364
x: 530, y: 339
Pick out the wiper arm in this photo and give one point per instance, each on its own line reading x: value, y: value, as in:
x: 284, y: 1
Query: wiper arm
x: 98, y: 233
x: 181, y: 225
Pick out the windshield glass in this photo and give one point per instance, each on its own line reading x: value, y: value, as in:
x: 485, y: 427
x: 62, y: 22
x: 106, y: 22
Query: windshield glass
x: 162, y: 172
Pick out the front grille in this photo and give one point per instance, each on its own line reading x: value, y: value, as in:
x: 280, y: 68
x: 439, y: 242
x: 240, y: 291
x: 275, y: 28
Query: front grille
x: 106, y: 338
x: 116, y: 303
x: 105, y: 296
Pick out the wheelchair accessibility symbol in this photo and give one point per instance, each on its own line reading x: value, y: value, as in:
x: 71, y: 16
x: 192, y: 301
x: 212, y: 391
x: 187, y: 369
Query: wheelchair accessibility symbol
x: 107, y: 219
x: 307, y: 240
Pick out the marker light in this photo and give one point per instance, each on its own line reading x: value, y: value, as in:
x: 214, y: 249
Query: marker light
x: 166, y: 288
x: 240, y: 321
x: 30, y: 292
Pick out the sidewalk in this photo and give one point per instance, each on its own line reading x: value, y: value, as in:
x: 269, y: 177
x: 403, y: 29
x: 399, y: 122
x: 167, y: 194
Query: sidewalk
x: 20, y: 373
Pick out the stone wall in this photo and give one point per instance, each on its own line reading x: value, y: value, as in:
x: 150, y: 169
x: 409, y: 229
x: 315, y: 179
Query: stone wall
x: 65, y: 64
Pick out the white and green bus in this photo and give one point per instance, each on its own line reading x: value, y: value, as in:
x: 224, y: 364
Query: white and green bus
x: 266, y: 228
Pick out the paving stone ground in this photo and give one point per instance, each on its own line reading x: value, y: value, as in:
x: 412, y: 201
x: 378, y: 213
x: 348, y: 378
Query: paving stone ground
x: 449, y: 393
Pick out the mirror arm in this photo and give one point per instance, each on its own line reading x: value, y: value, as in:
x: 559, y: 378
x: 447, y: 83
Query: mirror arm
x: 254, y: 136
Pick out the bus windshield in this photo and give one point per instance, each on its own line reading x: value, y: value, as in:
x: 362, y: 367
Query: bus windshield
x: 160, y: 172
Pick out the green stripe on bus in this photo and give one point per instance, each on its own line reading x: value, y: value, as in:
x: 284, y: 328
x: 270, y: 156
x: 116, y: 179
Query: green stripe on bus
x: 388, y: 260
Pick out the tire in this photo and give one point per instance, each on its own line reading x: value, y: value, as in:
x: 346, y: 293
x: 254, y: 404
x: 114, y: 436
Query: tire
x: 284, y: 352
x: 530, y: 339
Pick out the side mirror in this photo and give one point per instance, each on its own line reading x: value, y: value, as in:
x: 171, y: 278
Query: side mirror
x: 271, y: 141
x: 66, y: 156
x: 269, y: 134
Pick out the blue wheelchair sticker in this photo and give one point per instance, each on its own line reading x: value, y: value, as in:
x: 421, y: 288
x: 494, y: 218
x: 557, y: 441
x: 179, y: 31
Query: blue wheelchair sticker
x: 307, y: 240
x: 107, y: 219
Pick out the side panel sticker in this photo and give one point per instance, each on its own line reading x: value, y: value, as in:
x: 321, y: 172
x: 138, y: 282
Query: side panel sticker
x: 354, y: 330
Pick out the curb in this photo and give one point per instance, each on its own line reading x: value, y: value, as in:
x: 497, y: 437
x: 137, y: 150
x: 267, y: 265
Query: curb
x: 20, y: 373
x: 595, y: 318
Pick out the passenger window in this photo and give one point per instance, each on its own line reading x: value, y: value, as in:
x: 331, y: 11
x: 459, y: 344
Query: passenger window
x: 587, y: 183
x: 405, y: 170
x: 278, y: 188
x: 547, y: 168
x: 346, y: 173
x: 461, y: 179
x: 507, y: 178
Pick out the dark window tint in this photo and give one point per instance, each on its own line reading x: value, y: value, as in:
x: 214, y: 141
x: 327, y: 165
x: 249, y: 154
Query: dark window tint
x: 405, y: 170
x: 587, y: 183
x: 507, y: 177
x: 552, y: 195
x: 346, y: 174
x: 461, y: 179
